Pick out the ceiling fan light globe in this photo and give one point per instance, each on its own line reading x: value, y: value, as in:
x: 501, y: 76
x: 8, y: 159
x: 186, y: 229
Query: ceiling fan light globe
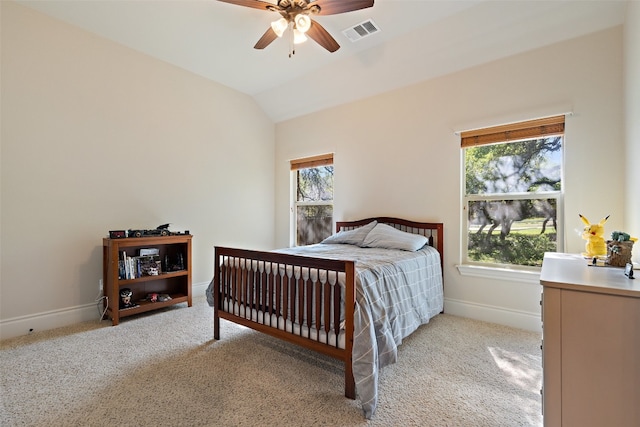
x: 303, y: 23
x: 298, y: 37
x: 279, y: 26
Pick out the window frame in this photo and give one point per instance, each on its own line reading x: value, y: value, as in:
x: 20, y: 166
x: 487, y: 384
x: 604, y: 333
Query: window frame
x: 295, y: 165
x: 504, y: 134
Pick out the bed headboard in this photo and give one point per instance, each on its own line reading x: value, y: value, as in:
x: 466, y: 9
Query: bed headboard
x: 434, y: 231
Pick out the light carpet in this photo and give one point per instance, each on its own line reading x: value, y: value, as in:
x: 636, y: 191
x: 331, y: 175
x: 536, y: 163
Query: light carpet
x: 165, y: 369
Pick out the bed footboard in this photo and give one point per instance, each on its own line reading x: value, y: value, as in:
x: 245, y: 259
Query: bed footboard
x: 303, y: 300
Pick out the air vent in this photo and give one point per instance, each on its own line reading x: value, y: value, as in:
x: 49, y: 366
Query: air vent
x: 360, y: 31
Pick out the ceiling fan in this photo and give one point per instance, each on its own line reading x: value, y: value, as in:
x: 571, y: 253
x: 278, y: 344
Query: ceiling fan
x: 295, y: 17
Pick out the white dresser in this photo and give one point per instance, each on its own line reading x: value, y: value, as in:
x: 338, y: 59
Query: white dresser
x: 591, y: 344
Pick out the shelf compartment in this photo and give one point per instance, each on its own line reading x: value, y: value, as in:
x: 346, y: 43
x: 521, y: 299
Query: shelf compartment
x: 145, y: 306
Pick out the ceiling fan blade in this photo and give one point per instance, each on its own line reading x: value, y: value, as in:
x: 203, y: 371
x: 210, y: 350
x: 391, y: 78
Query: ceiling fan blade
x: 256, y: 4
x: 266, y: 39
x: 334, y: 7
x: 322, y: 37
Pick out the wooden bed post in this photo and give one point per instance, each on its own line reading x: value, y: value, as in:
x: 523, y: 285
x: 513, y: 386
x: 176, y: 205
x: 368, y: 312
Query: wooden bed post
x: 216, y: 295
x: 216, y: 324
x: 349, y: 310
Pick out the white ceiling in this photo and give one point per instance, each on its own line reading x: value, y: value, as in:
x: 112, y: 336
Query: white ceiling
x: 419, y: 39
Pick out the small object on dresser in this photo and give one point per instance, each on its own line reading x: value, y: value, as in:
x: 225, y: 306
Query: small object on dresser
x: 628, y: 271
x: 597, y: 261
x: 594, y: 235
x: 117, y: 234
x: 619, y: 248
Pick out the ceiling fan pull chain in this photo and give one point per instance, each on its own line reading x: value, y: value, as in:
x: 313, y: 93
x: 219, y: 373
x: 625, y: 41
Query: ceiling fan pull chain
x: 292, y: 46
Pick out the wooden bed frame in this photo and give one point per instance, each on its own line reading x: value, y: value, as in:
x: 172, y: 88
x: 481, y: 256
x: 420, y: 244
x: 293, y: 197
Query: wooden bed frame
x: 296, y: 298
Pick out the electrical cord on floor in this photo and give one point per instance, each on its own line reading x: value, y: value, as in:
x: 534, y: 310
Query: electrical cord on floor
x: 99, y: 299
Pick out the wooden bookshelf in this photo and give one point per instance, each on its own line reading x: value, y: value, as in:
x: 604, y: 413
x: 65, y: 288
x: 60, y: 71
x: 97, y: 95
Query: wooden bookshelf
x: 173, y: 278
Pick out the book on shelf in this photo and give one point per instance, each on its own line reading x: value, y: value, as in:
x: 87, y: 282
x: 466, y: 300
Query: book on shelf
x: 134, y: 267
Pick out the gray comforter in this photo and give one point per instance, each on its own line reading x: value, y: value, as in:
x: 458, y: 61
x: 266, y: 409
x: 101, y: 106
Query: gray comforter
x: 397, y: 291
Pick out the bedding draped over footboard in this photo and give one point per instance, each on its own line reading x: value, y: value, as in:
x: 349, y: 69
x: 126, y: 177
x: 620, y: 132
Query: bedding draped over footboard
x: 396, y: 292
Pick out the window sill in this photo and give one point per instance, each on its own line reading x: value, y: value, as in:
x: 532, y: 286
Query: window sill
x: 509, y: 274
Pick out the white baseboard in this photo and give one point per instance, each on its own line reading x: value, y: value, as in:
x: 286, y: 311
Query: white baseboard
x: 494, y: 314
x: 24, y: 325
x: 198, y: 289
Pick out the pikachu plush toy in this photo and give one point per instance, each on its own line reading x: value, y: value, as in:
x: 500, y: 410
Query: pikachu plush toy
x: 594, y: 235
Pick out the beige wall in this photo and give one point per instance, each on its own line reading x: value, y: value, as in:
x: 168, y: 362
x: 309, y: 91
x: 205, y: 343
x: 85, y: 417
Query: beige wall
x: 97, y: 137
x: 397, y: 154
x: 632, y: 121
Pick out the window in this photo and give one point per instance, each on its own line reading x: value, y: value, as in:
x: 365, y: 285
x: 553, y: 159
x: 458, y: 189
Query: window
x: 513, y: 193
x: 313, y: 199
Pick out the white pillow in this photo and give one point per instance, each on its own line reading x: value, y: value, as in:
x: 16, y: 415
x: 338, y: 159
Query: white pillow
x: 385, y: 236
x: 351, y: 237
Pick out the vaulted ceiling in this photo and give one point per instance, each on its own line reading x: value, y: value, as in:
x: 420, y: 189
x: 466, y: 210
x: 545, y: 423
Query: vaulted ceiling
x: 418, y: 40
